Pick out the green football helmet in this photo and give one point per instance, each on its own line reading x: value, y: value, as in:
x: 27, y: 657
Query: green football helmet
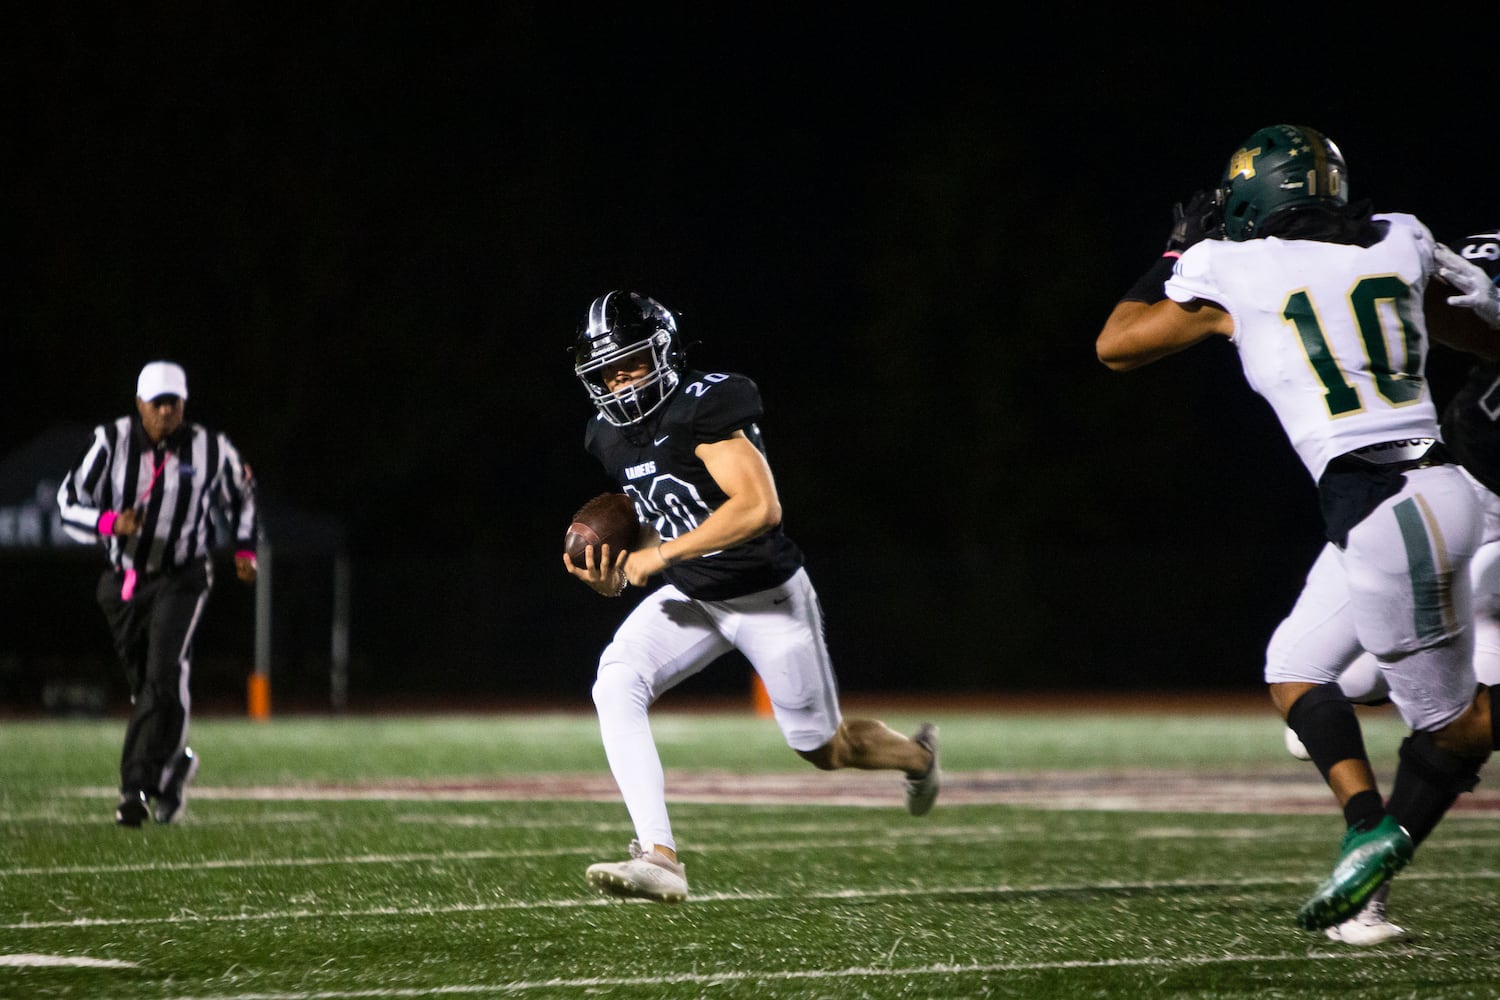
x: 1279, y: 168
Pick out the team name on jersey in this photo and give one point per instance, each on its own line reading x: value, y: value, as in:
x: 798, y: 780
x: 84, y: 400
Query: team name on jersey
x: 637, y: 471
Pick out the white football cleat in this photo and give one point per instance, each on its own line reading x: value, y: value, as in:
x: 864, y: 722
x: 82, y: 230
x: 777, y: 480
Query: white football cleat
x: 1368, y: 926
x: 922, y: 789
x: 647, y: 875
x: 1294, y: 745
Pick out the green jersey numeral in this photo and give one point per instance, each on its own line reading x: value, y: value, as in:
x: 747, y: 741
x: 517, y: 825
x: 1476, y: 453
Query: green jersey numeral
x: 1369, y: 302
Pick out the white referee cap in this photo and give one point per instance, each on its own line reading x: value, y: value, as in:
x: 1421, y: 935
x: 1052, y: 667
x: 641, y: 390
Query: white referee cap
x: 161, y: 378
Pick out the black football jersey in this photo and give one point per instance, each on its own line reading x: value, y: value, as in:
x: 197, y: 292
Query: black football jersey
x: 1471, y: 421
x: 654, y: 463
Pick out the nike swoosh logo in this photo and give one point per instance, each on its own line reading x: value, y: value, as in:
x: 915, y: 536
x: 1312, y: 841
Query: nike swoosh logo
x: 781, y: 600
x: 661, y: 439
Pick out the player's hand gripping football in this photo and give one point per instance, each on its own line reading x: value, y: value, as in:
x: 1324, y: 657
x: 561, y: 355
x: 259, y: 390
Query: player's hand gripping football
x: 602, y: 570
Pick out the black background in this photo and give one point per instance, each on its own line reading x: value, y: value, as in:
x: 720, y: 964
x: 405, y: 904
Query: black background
x: 369, y: 233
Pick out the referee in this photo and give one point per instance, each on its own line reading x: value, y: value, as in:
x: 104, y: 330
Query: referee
x: 148, y: 487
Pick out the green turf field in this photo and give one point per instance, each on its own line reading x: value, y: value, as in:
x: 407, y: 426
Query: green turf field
x: 414, y: 857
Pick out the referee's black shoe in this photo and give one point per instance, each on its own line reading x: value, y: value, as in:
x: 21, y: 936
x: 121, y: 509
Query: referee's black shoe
x: 132, y: 810
x: 173, y: 798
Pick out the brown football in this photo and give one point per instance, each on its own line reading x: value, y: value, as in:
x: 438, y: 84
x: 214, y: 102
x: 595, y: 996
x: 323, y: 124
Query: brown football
x: 608, y: 519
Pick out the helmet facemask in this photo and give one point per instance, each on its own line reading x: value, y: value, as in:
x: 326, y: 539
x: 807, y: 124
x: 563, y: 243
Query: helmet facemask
x: 622, y: 325
x: 634, y: 402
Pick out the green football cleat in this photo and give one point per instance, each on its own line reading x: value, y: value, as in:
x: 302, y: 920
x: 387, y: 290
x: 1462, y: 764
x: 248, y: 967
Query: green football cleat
x: 1367, y: 860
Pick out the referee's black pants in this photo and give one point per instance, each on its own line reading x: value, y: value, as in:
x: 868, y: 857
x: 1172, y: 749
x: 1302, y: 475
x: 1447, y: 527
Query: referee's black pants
x: 153, y: 636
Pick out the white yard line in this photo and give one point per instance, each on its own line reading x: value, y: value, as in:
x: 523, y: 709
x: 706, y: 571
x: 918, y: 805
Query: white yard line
x: 817, y: 975
x: 574, y: 902
x: 32, y: 961
x: 925, y: 835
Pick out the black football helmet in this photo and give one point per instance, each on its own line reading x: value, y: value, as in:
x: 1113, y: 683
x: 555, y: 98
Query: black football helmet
x: 1278, y: 169
x: 619, y: 325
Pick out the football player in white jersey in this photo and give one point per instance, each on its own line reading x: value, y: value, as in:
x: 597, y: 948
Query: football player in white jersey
x: 1470, y: 433
x: 1327, y: 304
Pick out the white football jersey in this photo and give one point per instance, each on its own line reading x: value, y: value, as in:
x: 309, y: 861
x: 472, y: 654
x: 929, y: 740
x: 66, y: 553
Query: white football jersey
x: 1333, y: 336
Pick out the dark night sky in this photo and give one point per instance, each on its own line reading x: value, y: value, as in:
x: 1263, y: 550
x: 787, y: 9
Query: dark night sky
x: 369, y: 233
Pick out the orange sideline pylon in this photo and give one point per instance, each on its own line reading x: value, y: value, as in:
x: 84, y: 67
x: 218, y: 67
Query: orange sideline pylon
x: 258, y: 694
x: 759, y: 697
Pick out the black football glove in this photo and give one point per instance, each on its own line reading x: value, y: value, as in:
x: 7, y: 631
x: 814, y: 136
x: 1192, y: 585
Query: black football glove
x: 1201, y: 219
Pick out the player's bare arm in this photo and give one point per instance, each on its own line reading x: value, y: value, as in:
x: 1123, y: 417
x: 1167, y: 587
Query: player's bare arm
x: 1136, y: 334
x: 753, y: 508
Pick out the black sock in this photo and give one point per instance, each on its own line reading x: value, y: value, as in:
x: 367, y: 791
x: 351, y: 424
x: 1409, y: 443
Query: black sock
x: 1364, y: 810
x: 1428, y: 782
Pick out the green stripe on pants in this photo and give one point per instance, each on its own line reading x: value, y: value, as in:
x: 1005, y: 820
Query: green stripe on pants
x: 1429, y: 588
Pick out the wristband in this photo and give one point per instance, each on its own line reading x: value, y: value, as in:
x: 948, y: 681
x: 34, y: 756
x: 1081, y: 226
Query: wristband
x: 1150, y: 287
x: 665, y: 562
x: 107, y: 522
x: 245, y: 554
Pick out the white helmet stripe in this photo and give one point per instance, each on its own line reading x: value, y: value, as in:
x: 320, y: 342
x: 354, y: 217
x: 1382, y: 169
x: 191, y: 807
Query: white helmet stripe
x: 599, y: 312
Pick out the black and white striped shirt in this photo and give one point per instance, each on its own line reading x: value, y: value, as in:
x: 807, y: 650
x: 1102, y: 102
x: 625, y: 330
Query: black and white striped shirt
x: 182, y: 485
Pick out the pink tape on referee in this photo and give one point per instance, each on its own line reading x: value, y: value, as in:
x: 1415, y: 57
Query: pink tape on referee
x: 107, y: 522
x: 127, y: 589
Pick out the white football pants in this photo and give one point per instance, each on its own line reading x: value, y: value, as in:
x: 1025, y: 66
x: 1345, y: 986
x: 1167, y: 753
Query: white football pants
x: 668, y: 638
x: 1364, y: 680
x: 1399, y: 590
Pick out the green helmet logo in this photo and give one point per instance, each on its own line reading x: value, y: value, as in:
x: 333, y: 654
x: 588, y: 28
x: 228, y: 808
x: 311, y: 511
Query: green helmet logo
x: 1279, y: 168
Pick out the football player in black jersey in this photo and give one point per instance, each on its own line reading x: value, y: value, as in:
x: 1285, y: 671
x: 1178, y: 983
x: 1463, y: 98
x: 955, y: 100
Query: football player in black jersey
x: 686, y: 447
